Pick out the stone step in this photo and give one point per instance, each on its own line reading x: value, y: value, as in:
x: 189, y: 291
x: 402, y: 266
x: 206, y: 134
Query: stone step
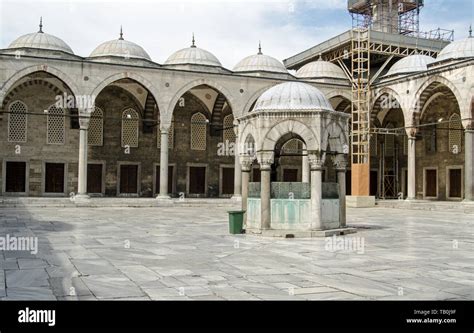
x: 445, y: 206
x: 18, y: 202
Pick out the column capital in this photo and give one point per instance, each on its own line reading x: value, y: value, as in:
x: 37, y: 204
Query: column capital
x: 316, y: 160
x: 246, y: 163
x: 411, y: 131
x: 85, y: 117
x: 340, y: 163
x: 265, y: 159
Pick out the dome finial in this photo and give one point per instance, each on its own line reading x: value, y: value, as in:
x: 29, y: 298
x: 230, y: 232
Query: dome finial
x: 259, y: 47
x: 41, y: 25
x: 121, y: 33
x: 193, y: 42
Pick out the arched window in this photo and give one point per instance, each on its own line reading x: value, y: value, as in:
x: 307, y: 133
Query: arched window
x: 96, y: 128
x: 130, y: 128
x: 56, y: 125
x: 228, y: 132
x: 293, y: 146
x: 198, y: 131
x: 170, y: 137
x: 455, y: 134
x: 17, y: 122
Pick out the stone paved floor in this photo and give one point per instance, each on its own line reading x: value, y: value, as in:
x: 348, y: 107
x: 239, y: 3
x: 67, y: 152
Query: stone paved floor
x: 186, y: 253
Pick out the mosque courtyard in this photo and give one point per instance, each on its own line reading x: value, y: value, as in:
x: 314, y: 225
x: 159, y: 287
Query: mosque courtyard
x: 187, y: 253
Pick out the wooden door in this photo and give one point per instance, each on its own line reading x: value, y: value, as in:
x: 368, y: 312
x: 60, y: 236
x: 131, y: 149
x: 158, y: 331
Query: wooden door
x: 431, y: 185
x: 290, y: 175
x: 15, y: 177
x: 455, y: 183
x: 227, y: 180
x: 170, y: 179
x: 94, y: 178
x: 129, y: 179
x: 54, y: 178
x: 197, y: 180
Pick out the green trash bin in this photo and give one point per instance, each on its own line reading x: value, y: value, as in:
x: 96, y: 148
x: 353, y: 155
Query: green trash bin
x: 236, y: 221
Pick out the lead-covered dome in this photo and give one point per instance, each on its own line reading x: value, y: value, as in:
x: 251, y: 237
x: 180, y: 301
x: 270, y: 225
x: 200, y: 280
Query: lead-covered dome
x: 321, y: 69
x: 120, y: 48
x: 40, y: 40
x: 193, y: 56
x: 459, y: 49
x: 292, y: 96
x: 260, y: 63
x: 411, y: 64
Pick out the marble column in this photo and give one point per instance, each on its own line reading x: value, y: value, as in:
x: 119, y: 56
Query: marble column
x: 265, y: 159
x: 341, y: 165
x: 84, y: 119
x: 237, y: 172
x: 316, y: 164
x: 411, y: 181
x: 164, y: 152
x: 469, y: 164
x: 246, y: 163
x: 305, y: 166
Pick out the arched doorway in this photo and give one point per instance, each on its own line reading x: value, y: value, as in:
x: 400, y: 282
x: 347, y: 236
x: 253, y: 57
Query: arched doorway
x: 204, y: 154
x: 123, y: 141
x: 440, y: 145
x: 40, y: 113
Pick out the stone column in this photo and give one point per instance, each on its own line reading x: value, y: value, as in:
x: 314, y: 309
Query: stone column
x: 237, y: 171
x: 411, y: 181
x: 246, y: 163
x: 164, y: 164
x: 266, y: 160
x: 469, y: 164
x: 316, y: 161
x: 341, y: 165
x: 84, y: 119
x: 305, y: 166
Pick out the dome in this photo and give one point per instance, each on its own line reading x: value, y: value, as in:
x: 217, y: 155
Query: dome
x: 459, y: 49
x: 120, y: 48
x: 41, y: 40
x: 411, y: 64
x: 260, y: 62
x: 321, y: 69
x: 193, y: 56
x: 292, y: 96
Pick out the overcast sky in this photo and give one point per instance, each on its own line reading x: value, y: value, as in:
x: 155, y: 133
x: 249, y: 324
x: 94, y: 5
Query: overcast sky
x: 229, y: 29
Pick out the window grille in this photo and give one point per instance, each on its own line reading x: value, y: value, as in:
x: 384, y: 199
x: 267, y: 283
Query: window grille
x: 198, y: 131
x: 96, y: 128
x: 455, y: 134
x: 56, y: 125
x: 17, y: 122
x: 130, y: 128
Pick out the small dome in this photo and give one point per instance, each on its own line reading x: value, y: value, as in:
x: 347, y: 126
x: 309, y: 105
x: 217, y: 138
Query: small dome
x: 193, y: 56
x: 260, y: 63
x: 120, y: 48
x: 41, y: 40
x: 292, y: 96
x: 459, y: 49
x: 321, y: 69
x: 411, y: 64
